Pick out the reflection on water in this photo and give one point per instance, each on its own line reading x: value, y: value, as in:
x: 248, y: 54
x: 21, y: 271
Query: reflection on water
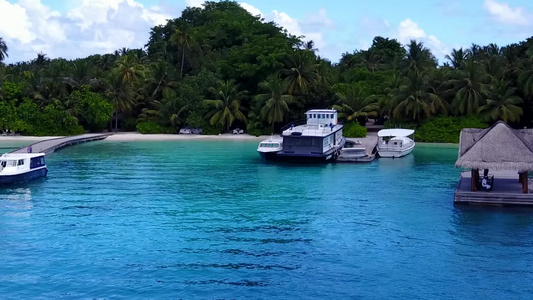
x: 15, y: 194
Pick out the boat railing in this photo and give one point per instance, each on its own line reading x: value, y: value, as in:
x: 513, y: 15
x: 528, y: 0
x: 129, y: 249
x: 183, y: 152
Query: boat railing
x: 292, y: 124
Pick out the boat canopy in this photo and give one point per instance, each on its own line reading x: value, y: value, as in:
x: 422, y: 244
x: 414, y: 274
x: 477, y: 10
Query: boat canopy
x: 395, y: 132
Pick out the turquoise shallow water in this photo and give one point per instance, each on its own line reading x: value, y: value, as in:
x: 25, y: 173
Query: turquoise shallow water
x: 205, y: 219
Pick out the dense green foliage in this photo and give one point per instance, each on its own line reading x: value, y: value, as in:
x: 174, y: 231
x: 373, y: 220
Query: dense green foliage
x: 354, y: 130
x: 442, y: 129
x: 152, y: 128
x: 218, y: 68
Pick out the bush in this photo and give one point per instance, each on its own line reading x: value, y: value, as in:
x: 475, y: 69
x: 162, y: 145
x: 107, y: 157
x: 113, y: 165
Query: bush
x: 93, y: 110
x: 446, y: 129
x: 354, y: 130
x: 153, y: 128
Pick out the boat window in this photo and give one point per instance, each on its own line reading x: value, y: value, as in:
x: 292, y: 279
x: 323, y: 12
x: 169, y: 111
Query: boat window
x: 319, y: 116
x: 21, y: 162
x: 3, y: 163
x: 314, y: 116
x: 332, y: 116
x: 11, y: 163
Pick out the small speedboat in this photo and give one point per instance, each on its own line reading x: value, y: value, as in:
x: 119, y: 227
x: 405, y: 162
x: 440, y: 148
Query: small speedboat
x: 270, y: 147
x: 21, y: 167
x: 395, y: 143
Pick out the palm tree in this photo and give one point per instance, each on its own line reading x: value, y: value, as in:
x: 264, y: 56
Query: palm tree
x: 354, y: 102
x: 414, y: 99
x: 274, y: 102
x: 129, y: 69
x: 81, y: 75
x: 226, y: 108
x: 166, y: 111
x: 469, y: 87
x: 371, y: 60
x: 494, y: 67
x: 526, y: 82
x: 160, y: 80
x: 41, y: 59
x: 120, y: 93
x: 182, y: 39
x: 300, y: 71
x: 474, y: 52
x: 419, y: 58
x: 3, y: 50
x: 438, y: 82
x: 502, y: 103
x: 457, y: 58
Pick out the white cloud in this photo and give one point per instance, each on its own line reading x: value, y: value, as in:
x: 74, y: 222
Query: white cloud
x: 14, y: 23
x: 94, y: 26
x: 312, y: 27
x: 409, y: 30
x: 251, y: 9
x: 504, y: 13
x: 194, y: 3
x: 285, y: 21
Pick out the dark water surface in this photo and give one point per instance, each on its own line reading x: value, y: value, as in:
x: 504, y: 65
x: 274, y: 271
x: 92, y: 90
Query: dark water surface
x: 203, y: 219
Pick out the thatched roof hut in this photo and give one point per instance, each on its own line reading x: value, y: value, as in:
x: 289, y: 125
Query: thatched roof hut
x: 497, y: 148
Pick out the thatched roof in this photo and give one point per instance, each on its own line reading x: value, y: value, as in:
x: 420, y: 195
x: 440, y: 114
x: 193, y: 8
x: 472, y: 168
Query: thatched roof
x: 498, y: 148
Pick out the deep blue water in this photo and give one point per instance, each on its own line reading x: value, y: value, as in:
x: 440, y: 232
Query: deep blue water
x: 202, y: 219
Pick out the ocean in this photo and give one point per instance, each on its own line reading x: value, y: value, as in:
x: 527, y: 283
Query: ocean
x: 210, y: 219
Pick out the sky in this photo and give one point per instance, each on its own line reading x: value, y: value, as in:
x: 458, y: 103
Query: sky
x: 78, y: 28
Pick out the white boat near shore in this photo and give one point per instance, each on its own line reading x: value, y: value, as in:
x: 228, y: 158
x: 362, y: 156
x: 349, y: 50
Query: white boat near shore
x: 395, y: 143
x: 21, y: 167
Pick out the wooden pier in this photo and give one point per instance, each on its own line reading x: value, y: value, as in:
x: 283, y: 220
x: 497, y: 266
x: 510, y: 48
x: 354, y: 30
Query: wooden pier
x: 366, y: 145
x: 506, y: 190
x: 51, y: 145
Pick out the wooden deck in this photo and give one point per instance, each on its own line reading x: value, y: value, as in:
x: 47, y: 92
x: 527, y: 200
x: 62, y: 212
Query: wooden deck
x: 51, y: 145
x: 506, y: 191
x: 369, y: 143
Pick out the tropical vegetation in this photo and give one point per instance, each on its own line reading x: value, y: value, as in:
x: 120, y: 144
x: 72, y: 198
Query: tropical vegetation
x: 219, y: 67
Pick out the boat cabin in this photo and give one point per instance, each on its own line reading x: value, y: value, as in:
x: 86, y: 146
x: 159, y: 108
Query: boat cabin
x: 16, y: 163
x: 269, y: 145
x: 320, y: 135
x: 326, y: 117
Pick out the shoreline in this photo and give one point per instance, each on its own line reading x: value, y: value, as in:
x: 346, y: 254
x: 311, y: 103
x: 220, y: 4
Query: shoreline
x: 135, y: 136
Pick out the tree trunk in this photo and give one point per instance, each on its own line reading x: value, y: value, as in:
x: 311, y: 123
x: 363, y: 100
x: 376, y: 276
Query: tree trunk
x: 116, y: 121
x: 182, y: 62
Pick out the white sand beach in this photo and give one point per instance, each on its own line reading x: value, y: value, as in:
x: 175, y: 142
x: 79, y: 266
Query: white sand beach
x: 135, y: 136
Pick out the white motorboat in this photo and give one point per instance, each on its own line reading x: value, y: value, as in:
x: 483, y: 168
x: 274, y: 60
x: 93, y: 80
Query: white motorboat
x: 21, y: 167
x: 270, y: 147
x: 395, y: 143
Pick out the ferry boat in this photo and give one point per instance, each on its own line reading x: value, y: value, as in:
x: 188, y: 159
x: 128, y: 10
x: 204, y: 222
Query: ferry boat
x: 319, y: 138
x: 21, y: 167
x: 395, y: 143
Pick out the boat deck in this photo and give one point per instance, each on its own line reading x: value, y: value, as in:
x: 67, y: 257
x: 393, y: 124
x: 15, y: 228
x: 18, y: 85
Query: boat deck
x: 52, y: 145
x: 369, y: 143
x: 506, y: 191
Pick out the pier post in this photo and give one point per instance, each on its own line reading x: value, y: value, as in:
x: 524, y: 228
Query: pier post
x: 525, y: 183
x: 474, y: 174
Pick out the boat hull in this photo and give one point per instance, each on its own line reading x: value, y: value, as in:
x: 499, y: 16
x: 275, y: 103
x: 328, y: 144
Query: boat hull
x: 280, y: 156
x: 23, y: 177
x: 395, y: 153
